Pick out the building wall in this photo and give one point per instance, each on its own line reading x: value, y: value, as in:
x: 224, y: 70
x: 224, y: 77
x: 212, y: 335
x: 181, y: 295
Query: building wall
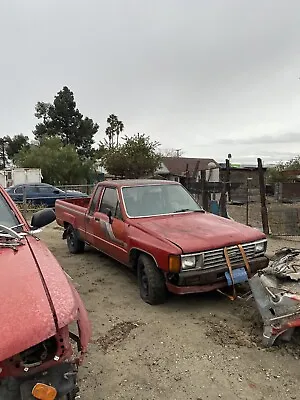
x: 288, y: 191
x: 2, y: 179
x: 240, y: 176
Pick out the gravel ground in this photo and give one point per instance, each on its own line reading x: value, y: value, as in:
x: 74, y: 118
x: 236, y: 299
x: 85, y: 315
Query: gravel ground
x: 194, y: 347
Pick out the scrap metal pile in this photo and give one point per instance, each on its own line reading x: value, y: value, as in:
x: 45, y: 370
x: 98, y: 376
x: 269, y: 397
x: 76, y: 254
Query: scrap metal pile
x: 276, y: 291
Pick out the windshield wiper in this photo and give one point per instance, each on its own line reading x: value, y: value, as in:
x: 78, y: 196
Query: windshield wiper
x: 188, y: 209
x: 9, y: 232
x: 21, y: 234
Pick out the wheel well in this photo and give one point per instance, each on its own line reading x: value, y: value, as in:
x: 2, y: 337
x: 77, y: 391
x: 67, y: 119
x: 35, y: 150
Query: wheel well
x: 134, y: 256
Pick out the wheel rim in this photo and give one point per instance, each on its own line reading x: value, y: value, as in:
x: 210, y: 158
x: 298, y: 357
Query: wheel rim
x: 144, y: 282
x: 71, y: 239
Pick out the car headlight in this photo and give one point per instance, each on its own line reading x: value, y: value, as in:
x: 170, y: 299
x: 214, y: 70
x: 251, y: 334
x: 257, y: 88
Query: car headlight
x: 260, y: 247
x: 192, y: 262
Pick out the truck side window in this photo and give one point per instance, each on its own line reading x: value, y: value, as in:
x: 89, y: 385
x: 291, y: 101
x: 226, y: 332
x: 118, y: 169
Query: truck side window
x: 95, y: 200
x: 110, y: 201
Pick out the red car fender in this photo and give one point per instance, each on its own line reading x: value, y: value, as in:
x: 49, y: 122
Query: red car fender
x: 84, y: 326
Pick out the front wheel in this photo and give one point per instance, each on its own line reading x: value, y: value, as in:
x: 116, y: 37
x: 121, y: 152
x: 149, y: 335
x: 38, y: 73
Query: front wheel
x: 151, y: 281
x: 75, y: 245
x: 70, y: 396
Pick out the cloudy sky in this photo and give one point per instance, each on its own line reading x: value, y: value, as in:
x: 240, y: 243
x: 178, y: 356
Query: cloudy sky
x: 209, y: 77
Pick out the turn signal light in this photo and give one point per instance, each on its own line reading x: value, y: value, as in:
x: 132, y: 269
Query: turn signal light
x: 44, y: 392
x: 174, y: 264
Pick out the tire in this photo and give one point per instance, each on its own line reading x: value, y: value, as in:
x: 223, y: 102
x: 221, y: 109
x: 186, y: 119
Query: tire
x: 75, y: 245
x: 70, y: 396
x: 151, y: 281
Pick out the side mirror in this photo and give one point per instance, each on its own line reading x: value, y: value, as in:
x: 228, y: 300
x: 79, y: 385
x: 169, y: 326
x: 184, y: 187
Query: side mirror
x: 56, y: 191
x: 42, y: 218
x: 109, y: 214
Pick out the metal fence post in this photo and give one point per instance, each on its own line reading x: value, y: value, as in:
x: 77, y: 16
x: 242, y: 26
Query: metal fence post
x: 24, y: 202
x: 262, y: 187
x: 228, y: 179
x: 248, y: 200
x: 203, y: 190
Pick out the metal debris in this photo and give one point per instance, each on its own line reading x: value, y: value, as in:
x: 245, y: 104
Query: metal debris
x: 276, y: 291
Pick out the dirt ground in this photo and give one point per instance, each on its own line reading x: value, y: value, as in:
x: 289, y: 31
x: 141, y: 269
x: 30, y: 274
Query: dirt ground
x: 194, y: 347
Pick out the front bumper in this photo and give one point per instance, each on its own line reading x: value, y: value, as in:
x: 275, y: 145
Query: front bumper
x: 209, y: 279
x: 62, y: 377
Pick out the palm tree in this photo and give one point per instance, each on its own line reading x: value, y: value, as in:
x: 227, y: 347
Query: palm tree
x: 120, y: 128
x: 109, y: 133
x: 115, y: 128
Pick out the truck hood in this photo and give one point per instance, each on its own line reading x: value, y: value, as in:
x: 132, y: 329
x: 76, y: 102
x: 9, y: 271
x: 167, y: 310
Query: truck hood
x: 194, y: 232
x: 35, y: 297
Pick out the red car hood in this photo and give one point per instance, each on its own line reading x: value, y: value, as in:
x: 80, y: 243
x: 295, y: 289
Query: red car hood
x: 194, y: 232
x: 34, y: 292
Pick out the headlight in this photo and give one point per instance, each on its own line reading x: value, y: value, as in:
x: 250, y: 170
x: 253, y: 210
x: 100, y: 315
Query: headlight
x: 188, y: 262
x: 260, y: 247
x: 192, y: 262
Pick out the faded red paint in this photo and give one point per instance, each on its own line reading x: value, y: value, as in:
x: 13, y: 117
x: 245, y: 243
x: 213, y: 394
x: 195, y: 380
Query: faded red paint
x: 24, y: 306
x: 37, y: 301
x: 11, y: 366
x: 194, y: 289
x: 62, y: 297
x: 159, y: 236
x: 193, y: 232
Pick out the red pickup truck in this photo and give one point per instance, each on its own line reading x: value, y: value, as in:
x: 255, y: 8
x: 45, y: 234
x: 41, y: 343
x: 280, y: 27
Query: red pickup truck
x: 158, y: 229
x: 38, y: 308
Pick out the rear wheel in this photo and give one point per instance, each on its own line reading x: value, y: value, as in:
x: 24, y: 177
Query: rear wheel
x: 151, y: 281
x: 75, y: 245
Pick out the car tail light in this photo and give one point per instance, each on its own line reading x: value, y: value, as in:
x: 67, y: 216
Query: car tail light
x: 44, y: 392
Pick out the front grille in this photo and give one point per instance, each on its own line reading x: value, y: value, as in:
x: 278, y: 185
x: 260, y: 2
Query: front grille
x: 216, y: 258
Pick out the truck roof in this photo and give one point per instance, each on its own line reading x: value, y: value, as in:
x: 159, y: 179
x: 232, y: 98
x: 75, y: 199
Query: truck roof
x: 139, y: 182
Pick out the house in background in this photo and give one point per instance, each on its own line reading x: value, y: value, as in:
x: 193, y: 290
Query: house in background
x: 178, y: 168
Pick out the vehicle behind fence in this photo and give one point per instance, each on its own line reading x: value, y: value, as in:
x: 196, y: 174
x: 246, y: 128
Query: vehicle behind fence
x: 40, y: 196
x: 87, y: 189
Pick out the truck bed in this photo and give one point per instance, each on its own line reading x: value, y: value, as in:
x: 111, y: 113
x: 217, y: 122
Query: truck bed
x: 81, y: 202
x: 71, y: 211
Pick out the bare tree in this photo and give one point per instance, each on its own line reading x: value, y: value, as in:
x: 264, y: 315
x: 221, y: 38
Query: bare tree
x: 171, y: 152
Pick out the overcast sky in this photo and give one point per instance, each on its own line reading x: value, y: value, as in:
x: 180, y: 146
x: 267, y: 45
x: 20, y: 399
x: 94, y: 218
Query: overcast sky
x: 207, y: 76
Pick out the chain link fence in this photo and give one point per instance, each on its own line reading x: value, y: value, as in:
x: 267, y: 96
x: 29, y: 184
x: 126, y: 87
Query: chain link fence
x: 284, y: 219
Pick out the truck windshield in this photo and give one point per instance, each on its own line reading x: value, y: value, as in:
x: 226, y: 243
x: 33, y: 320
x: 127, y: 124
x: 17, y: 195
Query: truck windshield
x: 148, y: 200
x: 7, y: 216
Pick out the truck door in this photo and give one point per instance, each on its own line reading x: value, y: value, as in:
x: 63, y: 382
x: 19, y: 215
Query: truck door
x: 90, y: 218
x: 109, y: 232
